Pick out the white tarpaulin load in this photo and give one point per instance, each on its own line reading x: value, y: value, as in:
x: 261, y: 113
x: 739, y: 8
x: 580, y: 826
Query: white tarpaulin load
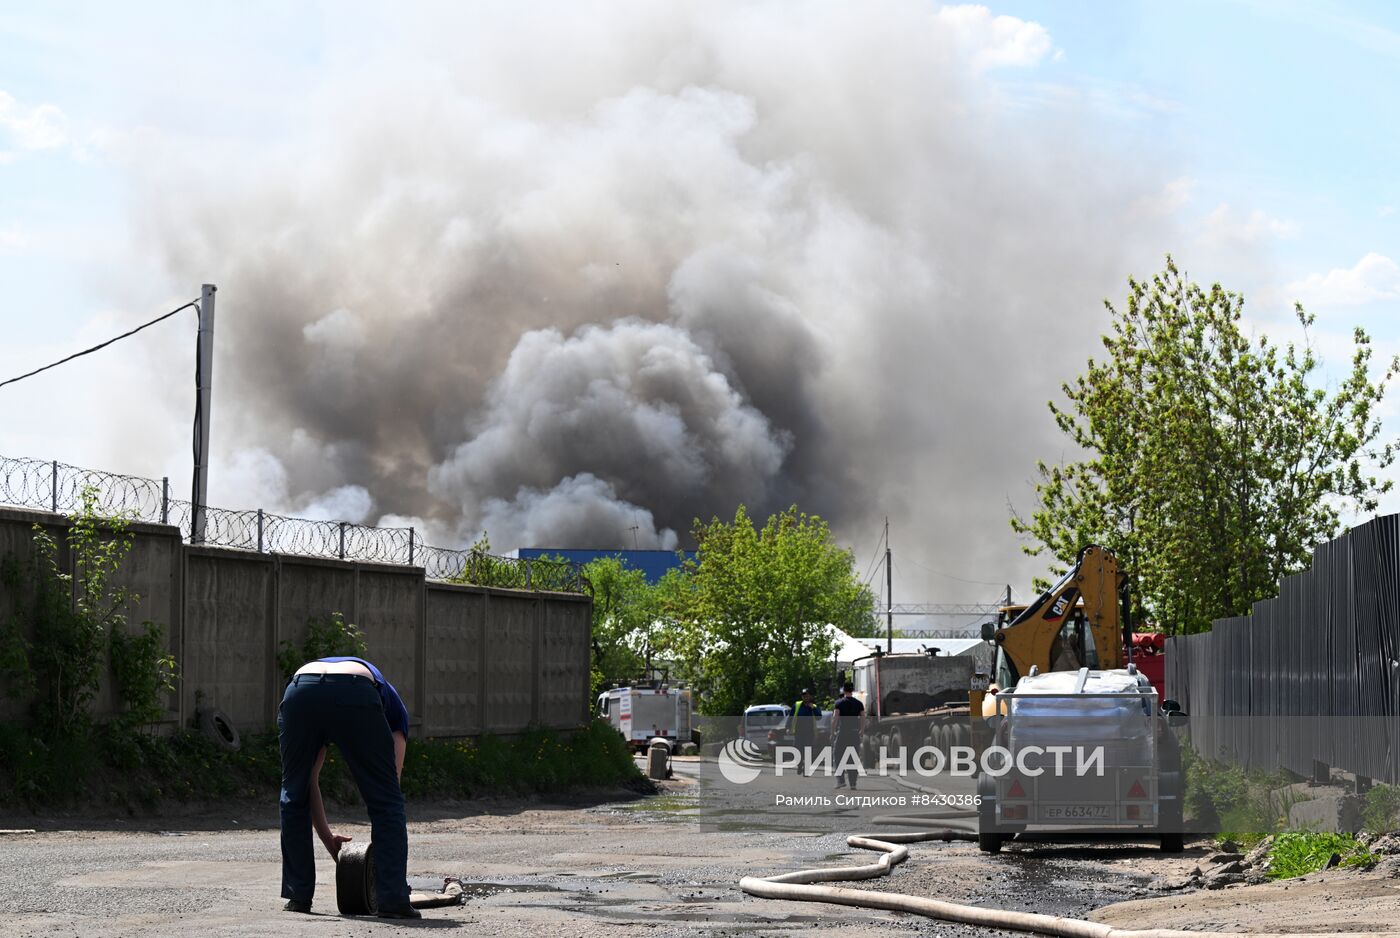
x: 1050, y: 709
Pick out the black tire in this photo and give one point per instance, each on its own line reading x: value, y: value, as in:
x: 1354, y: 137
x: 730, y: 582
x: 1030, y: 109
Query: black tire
x: 898, y: 750
x: 931, y: 742
x: 1171, y: 823
x: 216, y: 725
x: 354, y: 880
x: 989, y: 839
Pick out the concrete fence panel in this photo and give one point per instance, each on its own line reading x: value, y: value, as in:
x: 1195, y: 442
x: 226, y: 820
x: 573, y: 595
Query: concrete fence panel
x: 454, y: 672
x: 512, y: 676
x: 466, y: 659
x: 229, y: 656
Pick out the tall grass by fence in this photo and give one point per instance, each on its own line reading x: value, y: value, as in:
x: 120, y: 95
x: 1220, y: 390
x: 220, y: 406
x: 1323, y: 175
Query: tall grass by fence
x: 1312, y: 676
x: 49, y: 485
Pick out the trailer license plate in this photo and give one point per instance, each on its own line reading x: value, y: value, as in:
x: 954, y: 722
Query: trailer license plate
x: 1064, y: 812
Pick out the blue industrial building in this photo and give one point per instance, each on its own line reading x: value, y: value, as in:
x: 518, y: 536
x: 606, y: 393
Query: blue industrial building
x: 654, y: 563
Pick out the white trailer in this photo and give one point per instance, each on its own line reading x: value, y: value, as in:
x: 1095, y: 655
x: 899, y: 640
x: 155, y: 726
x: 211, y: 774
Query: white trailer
x: 1110, y: 719
x: 644, y: 712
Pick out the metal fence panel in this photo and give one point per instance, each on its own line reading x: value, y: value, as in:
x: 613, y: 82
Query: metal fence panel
x: 1327, y: 646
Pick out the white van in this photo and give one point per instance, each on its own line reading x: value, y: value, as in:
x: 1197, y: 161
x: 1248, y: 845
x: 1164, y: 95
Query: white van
x: 645, y: 711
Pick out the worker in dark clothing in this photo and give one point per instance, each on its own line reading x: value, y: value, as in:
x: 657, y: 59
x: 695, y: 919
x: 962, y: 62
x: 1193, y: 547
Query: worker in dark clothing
x: 804, y: 728
x: 847, y: 718
x: 348, y: 702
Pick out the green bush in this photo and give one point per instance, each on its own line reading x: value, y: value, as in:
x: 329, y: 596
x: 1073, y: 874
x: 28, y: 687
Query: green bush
x: 1244, y: 806
x: 131, y: 771
x: 76, y: 619
x: 1382, y: 810
x: 535, y: 762
x: 1298, y: 853
x: 327, y: 637
x: 143, y: 672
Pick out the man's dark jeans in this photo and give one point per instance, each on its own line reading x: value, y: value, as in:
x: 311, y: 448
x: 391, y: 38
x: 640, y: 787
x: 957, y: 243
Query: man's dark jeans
x: 845, y: 749
x: 343, y: 709
x: 806, y: 745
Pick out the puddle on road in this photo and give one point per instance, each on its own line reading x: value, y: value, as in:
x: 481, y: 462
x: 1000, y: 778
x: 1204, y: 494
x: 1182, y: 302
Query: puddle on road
x: 1049, y: 878
x: 630, y: 875
x: 623, y: 909
x: 662, y: 805
x: 478, y: 890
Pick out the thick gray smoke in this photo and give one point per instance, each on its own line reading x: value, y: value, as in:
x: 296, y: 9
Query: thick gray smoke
x: 579, y: 278
x: 639, y: 407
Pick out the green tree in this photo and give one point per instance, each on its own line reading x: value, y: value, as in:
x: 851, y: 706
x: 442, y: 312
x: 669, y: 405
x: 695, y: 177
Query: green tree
x: 749, y: 616
x: 1213, y: 462
x: 482, y: 568
x: 326, y: 637
x: 624, y: 612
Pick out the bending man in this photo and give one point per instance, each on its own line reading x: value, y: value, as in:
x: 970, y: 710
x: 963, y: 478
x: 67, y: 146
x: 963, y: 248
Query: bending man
x: 348, y: 702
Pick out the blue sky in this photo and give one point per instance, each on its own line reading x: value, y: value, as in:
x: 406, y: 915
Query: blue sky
x: 1279, y: 108
x: 1265, y: 135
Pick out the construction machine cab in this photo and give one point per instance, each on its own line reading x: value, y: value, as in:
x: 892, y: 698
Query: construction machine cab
x: 1076, y: 623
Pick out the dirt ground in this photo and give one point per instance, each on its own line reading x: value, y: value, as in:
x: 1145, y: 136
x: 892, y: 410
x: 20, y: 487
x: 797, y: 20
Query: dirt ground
x: 1334, y: 901
x: 620, y: 865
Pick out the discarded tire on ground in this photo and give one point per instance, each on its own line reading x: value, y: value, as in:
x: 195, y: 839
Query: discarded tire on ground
x: 354, y: 880
x: 216, y: 725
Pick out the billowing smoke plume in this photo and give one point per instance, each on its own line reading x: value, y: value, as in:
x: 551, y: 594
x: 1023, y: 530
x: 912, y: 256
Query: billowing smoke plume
x: 638, y: 406
x: 579, y: 278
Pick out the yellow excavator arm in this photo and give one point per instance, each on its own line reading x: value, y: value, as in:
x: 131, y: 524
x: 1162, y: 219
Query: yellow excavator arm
x: 1093, y: 586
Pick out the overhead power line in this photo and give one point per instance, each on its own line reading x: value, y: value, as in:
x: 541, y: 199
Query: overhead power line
x: 950, y: 576
x: 870, y: 570
x: 88, y: 351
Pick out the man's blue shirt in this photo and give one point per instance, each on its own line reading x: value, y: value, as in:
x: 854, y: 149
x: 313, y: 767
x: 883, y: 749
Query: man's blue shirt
x: 394, y: 710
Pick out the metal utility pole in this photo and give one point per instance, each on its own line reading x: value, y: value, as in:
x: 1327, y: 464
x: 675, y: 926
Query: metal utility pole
x: 204, y: 384
x: 889, y: 594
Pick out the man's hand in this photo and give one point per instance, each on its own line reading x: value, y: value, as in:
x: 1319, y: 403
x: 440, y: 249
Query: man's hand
x: 333, y: 845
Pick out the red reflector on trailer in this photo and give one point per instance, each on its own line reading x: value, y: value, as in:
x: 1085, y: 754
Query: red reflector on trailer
x: 1137, y: 791
x: 1134, y: 812
x: 1016, y: 791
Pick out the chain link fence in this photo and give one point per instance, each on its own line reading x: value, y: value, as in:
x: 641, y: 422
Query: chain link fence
x: 59, y: 488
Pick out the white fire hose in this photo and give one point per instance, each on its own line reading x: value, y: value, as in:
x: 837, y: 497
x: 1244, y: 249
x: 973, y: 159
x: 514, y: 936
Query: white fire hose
x: 797, y: 887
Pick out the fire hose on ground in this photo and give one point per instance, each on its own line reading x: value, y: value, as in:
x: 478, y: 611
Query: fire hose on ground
x: 800, y: 886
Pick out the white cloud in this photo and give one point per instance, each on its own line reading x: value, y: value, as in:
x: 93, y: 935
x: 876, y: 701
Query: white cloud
x: 42, y: 127
x: 997, y: 41
x: 1374, y: 277
x: 1225, y: 226
x: 1385, y: 211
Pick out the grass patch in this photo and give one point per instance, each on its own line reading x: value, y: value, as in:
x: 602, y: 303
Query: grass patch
x: 1382, y: 811
x: 1297, y: 853
x: 130, y: 772
x: 535, y: 762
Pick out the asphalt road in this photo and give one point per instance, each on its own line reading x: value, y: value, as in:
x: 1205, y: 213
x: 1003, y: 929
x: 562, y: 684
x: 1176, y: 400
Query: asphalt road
x: 653, y: 866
